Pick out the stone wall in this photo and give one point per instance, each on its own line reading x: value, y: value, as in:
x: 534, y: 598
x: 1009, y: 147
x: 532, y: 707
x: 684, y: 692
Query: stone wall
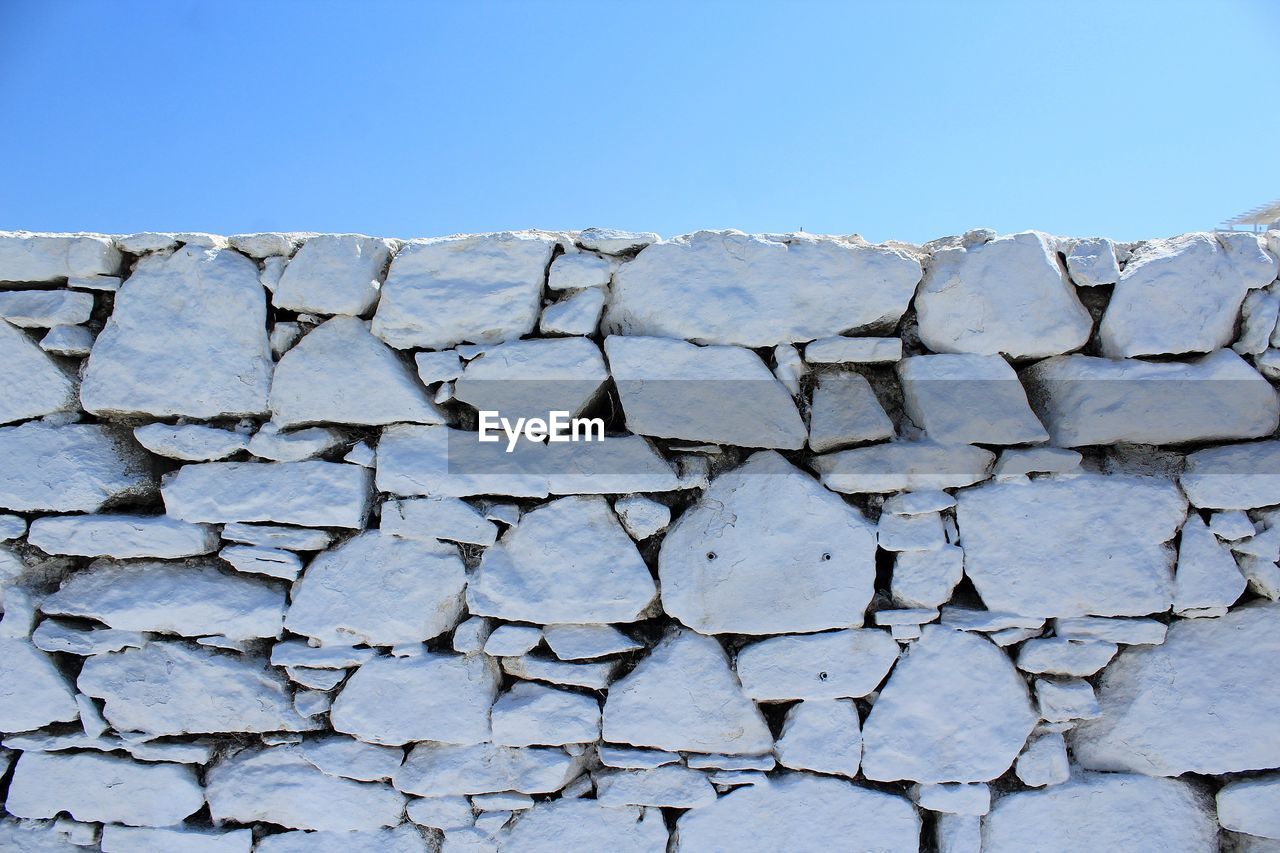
x: 970, y: 545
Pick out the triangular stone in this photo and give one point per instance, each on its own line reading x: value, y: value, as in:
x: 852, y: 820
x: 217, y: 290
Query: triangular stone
x: 1207, y: 574
x: 684, y: 697
x: 339, y: 373
x: 34, y: 384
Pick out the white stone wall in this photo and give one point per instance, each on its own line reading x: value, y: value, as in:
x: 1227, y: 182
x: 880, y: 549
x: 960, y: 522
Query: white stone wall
x: 965, y: 546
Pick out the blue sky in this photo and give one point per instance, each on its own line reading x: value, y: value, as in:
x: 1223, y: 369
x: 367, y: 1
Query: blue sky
x: 896, y: 120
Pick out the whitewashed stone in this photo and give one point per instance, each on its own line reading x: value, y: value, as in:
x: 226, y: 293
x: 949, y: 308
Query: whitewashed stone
x: 964, y: 398
x: 380, y: 590
x: 566, y: 561
x: 722, y: 287
x: 767, y: 550
x: 272, y: 443
x: 146, y: 242
x: 903, y: 466
x: 437, y: 697
x: 612, y: 241
x: 104, y: 283
x: 34, y: 384
x: 844, y: 412
x: 278, y: 785
x: 955, y: 833
x: 953, y: 798
x: 722, y: 394
x: 684, y: 696
x: 27, y: 256
x: 36, y: 836
x: 1207, y: 574
x: 33, y: 693
x: 841, y: 350
x: 342, y: 756
x: 266, y: 244
x: 512, y: 640
x: 584, y: 642
x: 639, y: 759
x: 822, y: 735
x: 122, y: 536
x: 12, y: 527
x: 448, y: 519
x: 69, y: 468
x: 1259, y: 314
x: 1237, y: 476
x: 532, y: 714
x: 283, y: 336
x: 1093, y: 262
x: 313, y: 493
x: 1084, y: 400
x: 256, y: 560
x: 1129, y: 632
x: 1204, y: 702
x: 913, y: 731
x: 297, y: 653
x: 1251, y: 806
x: 333, y: 274
x: 670, y: 786
x: 642, y: 517
x: 216, y: 361
x: 1044, y: 761
x: 835, y: 665
x: 1065, y: 656
x: 576, y: 314
x: 926, y: 578
x: 54, y: 635
x: 530, y: 379
x: 102, y: 788
x: 440, y: 812
x: 44, y: 309
x: 1183, y: 294
x: 482, y: 288
x: 1008, y: 296
x: 920, y: 532
x: 471, y: 635
x: 918, y: 503
x: 190, y: 442
x: 1070, y: 699
x: 174, y: 598
x: 316, y: 679
x: 169, y: 688
x: 439, y: 769
x: 796, y: 811
x: 1262, y: 574
x: 277, y: 536
x: 789, y: 367
x: 139, y: 839
x: 1072, y: 547
x: 586, y: 825
x: 592, y: 676
x: 580, y: 270
x: 339, y: 373
x: 1036, y: 460
x: 69, y: 341
x: 1099, y: 811
x: 731, y: 762
x: 401, y: 839
x: 436, y: 367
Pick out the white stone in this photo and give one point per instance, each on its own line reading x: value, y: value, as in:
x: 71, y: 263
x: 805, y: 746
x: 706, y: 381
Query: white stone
x: 640, y: 759
x: 34, y: 384
x: 1044, y: 761
x: 722, y: 287
x: 27, y: 256
x: 190, y: 442
x: 684, y: 696
x: 1207, y: 574
x: 1085, y: 401
x: 670, y: 786
x: 278, y: 785
x: 532, y: 714
x: 69, y: 341
x: 903, y: 466
x: 577, y: 313
x: 612, y: 241
x: 914, y: 732
x: 283, y: 336
x: 1259, y: 314
x: 471, y: 635
x: 964, y: 398
x: 580, y: 270
x: 441, y: 812
x: 54, y: 635
x: 33, y: 693
x: 926, y: 578
x: 274, y: 444
x: 1129, y: 632
x: 342, y: 756
x: 12, y: 527
x: 642, y: 517
x: 104, y: 283
x: 168, y: 688
x: 316, y: 679
x: 188, y: 336
x: 506, y: 801
x: 1206, y: 701
x: 257, y: 560
x: 334, y: 274
x: 102, y: 788
x: 789, y: 367
x: 1071, y: 699
x: 844, y: 412
x: 953, y: 798
x: 796, y: 811
x: 173, y: 598
x: 277, y: 536
x: 339, y: 373
x: 1263, y: 575
x: 44, y: 309
x: 1237, y: 476
x: 592, y: 676
x: 1183, y: 294
x: 921, y: 532
x: 138, y: 839
x: 839, y: 350
x: 566, y: 561
x: 1251, y: 805
x: 1093, y: 262
x: 731, y: 762
x: 266, y: 244
x: 483, y: 288
x: 530, y: 379
x: 767, y: 550
x: 586, y: 825
x: 822, y: 735
x: 1036, y: 460
x: 448, y: 519
x: 122, y: 536
x: 584, y: 642
x: 512, y: 640
x: 1009, y: 296
x: 436, y: 367
x: 146, y: 242
x: 955, y: 833
x: 835, y: 665
x: 1100, y: 811
x: 1065, y: 656
x: 722, y: 394
x: 69, y: 468
x: 380, y: 590
x: 438, y: 697
x: 297, y: 653
x: 1072, y: 547
x: 313, y: 493
x: 439, y: 769
x: 401, y: 839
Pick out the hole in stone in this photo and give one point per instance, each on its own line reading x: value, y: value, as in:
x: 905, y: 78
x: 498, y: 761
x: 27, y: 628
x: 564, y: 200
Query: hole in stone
x: 711, y: 555
x: 826, y: 557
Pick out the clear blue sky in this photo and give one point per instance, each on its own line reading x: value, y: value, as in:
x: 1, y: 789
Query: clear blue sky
x: 905, y: 120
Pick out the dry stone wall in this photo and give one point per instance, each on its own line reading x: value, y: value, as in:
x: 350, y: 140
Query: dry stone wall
x: 965, y: 546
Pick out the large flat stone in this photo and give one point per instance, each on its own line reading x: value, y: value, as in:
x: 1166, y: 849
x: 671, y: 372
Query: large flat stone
x: 440, y: 769
x: 903, y: 466
x: 313, y: 493
x: 334, y: 274
x: 33, y: 693
x: 103, y: 788
x: 833, y: 665
x: 27, y: 256
x: 531, y: 379
x: 72, y: 468
x: 122, y: 536
x: 1237, y: 476
x: 569, y: 824
x: 34, y: 384
x: 964, y: 398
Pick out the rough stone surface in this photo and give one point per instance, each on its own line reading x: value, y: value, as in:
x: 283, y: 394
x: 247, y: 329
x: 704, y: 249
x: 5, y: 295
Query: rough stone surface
x: 315, y: 494
x: 333, y: 274
x: 102, y: 788
x: 71, y: 468
x: 34, y: 384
